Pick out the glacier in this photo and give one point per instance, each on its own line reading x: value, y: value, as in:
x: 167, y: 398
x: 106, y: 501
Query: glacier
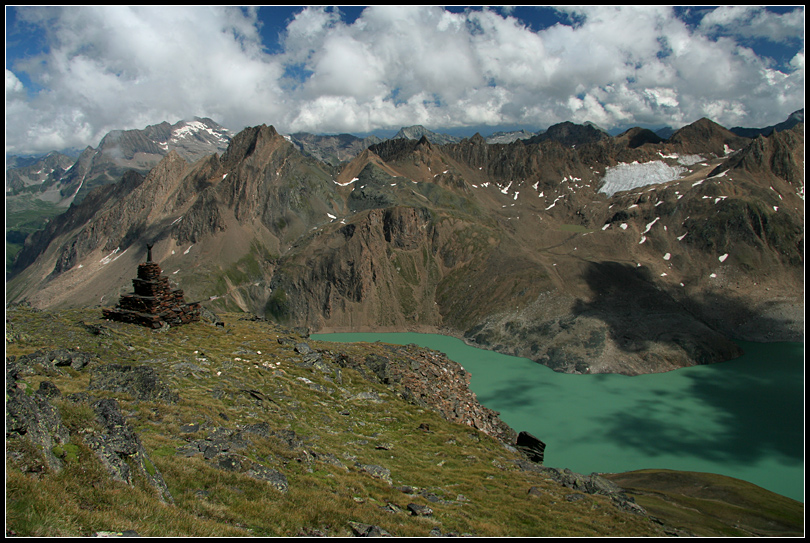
x: 632, y: 176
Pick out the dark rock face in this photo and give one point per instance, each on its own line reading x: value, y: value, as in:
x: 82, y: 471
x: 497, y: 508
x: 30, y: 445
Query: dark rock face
x: 568, y: 133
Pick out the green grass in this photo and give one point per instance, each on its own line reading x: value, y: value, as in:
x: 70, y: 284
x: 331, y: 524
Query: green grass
x: 710, y: 505
x: 23, y: 217
x: 486, y: 494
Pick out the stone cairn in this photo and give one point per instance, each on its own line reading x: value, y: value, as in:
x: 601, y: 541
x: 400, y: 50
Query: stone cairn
x: 154, y: 302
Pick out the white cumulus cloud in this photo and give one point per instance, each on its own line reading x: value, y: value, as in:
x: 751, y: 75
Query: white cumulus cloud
x: 129, y: 66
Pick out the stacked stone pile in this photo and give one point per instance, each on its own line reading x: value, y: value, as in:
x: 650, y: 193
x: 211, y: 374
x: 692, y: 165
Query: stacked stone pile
x: 154, y: 301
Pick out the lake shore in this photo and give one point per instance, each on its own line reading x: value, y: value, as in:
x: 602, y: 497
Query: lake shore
x: 750, y: 419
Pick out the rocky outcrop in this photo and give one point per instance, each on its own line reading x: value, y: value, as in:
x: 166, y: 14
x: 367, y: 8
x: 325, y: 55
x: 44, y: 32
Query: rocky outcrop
x: 430, y: 379
x: 120, y: 450
x: 142, y: 382
x: 594, y: 484
x: 33, y: 419
x: 48, y: 362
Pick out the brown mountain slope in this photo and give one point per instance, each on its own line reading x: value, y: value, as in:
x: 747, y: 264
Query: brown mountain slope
x: 511, y: 246
x: 704, y: 136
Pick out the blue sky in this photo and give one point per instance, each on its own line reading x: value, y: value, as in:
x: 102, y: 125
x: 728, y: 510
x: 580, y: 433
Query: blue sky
x: 75, y: 73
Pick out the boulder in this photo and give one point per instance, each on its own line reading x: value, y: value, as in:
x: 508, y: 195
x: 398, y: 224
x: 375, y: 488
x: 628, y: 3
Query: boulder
x: 367, y: 530
x: 532, y: 447
x: 419, y: 510
x: 378, y: 472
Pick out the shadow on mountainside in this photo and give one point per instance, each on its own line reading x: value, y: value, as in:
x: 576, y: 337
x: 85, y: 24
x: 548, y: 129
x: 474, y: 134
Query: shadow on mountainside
x: 640, y: 314
x: 759, y: 410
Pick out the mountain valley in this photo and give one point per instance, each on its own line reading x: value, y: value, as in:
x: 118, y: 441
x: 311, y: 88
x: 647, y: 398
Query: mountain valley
x: 524, y: 248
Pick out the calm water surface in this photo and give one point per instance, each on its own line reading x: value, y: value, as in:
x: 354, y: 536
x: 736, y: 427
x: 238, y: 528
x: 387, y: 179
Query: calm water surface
x: 743, y: 418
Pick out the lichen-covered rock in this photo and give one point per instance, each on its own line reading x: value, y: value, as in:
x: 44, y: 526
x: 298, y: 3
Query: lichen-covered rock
x: 120, y: 450
x: 33, y: 418
x: 47, y: 362
x: 242, y: 464
x: 378, y: 472
x: 419, y: 510
x: 142, y: 382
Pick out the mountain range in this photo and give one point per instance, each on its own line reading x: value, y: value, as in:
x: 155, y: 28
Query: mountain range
x: 586, y: 252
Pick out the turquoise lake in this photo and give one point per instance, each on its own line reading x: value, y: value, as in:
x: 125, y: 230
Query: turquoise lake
x: 743, y: 418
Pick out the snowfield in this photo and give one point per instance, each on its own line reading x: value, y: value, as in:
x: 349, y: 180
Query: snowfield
x: 191, y: 128
x: 632, y: 176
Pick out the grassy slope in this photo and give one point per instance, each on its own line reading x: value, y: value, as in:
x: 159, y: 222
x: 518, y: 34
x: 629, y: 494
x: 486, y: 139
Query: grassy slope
x: 710, y: 505
x: 484, y: 493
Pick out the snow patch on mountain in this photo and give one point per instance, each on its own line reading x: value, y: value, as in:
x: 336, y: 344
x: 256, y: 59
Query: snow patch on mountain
x: 632, y: 176
x: 192, y: 128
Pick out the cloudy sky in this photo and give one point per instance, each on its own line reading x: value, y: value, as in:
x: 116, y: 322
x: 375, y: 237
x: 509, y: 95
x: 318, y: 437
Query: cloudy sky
x: 75, y: 73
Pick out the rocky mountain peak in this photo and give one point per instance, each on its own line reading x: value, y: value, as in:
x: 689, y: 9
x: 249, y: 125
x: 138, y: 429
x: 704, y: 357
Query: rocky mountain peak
x: 568, y: 133
x: 793, y: 119
x: 416, y: 132
x: 246, y: 142
x: 508, y: 137
x: 478, y: 139
x: 636, y: 137
x: 779, y: 154
x: 706, y: 135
